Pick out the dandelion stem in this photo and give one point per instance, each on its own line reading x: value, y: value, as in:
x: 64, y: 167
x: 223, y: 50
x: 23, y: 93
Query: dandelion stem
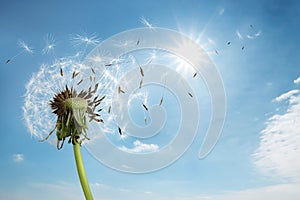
x: 81, y: 172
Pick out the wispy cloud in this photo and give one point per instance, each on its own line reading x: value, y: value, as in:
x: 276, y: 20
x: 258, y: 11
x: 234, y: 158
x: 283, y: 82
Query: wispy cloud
x: 18, y: 157
x: 140, y: 147
x: 279, y: 149
x: 286, y: 95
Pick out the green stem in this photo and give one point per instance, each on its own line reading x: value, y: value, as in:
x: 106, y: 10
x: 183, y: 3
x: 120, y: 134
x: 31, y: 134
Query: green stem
x: 81, y: 172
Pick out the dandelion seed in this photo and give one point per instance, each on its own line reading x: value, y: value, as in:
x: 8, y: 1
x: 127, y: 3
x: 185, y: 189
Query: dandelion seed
x: 145, y: 120
x: 109, y: 108
x: 93, y: 70
x: 138, y: 42
x: 146, y: 23
x: 74, y: 74
x: 120, y: 90
x: 107, y: 65
x: 49, y: 44
x: 142, y: 71
x: 216, y: 52
x: 25, y: 49
x: 80, y: 82
x: 78, y: 39
x: 141, y: 83
x: 163, y: 92
x: 145, y: 107
x: 120, y: 131
x: 161, y: 101
x: 243, y: 47
x: 228, y: 43
x: 101, y: 99
x: 61, y: 72
x: 190, y: 94
x: 195, y: 74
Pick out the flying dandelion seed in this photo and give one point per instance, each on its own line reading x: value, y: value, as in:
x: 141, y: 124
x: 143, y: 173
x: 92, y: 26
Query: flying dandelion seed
x: 145, y: 22
x: 142, y: 71
x: 120, y: 90
x: 25, y: 49
x: 163, y: 92
x: 49, y: 44
x: 120, y: 131
x: 145, y: 107
x: 78, y: 39
x: 141, y: 84
x: 161, y: 101
x: 109, y: 108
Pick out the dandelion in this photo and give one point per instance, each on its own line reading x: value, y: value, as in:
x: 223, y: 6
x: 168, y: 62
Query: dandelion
x: 49, y: 44
x: 55, y: 103
x: 25, y: 49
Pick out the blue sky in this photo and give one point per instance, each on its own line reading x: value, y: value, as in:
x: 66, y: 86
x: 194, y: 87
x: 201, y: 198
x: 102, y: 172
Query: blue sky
x: 257, y: 154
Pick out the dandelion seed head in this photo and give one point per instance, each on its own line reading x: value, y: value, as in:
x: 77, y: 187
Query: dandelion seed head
x: 42, y: 87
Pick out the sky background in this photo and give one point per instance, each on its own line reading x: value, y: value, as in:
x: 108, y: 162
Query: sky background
x: 257, y: 156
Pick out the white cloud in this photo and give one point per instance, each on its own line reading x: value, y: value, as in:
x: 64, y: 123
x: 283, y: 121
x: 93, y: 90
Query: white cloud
x: 279, y: 148
x: 18, y: 157
x: 297, y: 80
x: 286, y: 95
x: 140, y: 147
